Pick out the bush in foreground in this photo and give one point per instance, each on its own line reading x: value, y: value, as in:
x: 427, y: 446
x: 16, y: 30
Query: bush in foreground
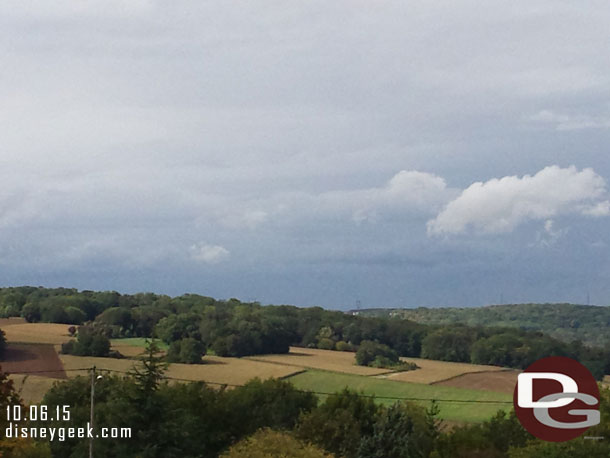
x: 268, y: 443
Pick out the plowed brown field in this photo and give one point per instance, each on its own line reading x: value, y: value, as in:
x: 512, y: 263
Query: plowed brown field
x: 34, y: 359
x: 498, y: 381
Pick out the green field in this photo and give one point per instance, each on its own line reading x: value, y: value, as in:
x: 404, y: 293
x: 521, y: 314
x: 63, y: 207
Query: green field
x: 330, y: 382
x: 137, y: 342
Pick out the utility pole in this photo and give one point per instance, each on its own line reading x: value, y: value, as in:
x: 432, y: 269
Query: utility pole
x: 91, y: 419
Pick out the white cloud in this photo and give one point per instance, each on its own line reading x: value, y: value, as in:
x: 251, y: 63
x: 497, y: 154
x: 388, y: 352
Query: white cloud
x: 416, y: 187
x: 571, y: 121
x: 209, y: 254
x: 500, y: 205
x: 601, y: 209
x: 407, y: 191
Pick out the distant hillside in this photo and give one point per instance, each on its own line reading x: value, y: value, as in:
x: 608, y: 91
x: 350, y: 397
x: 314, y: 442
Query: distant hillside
x: 566, y: 322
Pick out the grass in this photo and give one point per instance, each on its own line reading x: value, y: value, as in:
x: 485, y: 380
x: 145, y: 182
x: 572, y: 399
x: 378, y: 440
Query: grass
x: 139, y: 342
x: 329, y: 382
x: 134, y: 346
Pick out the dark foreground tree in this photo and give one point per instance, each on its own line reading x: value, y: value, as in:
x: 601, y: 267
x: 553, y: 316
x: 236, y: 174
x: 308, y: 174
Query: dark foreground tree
x: 339, y: 424
x: 403, y: 430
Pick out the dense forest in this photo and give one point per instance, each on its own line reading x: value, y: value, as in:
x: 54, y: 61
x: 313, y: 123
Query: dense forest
x: 272, y: 418
x: 193, y: 325
x: 566, y: 322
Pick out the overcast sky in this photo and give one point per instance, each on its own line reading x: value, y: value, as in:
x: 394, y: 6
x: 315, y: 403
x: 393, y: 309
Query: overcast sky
x: 313, y: 153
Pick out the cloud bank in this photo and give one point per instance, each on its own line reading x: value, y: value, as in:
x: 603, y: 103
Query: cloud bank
x: 500, y: 205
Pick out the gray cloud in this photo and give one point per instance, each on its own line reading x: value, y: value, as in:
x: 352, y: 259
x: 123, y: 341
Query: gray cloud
x: 312, y: 141
x: 571, y: 122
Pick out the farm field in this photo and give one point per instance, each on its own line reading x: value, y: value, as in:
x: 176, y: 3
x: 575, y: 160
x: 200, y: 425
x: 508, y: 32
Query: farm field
x: 431, y: 371
x: 232, y: 371
x: 216, y: 370
x: 498, y: 381
x: 312, y: 358
x: 35, y: 359
x: 329, y: 382
x: 11, y: 320
x: 32, y: 388
x: 48, y: 333
x: 133, y: 346
x: 322, y: 371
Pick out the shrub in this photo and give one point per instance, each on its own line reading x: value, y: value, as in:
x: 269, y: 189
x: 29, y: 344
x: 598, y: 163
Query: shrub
x: 326, y: 344
x: 88, y: 343
x: 267, y: 443
x: 370, y: 351
x: 187, y: 351
x: 342, y: 345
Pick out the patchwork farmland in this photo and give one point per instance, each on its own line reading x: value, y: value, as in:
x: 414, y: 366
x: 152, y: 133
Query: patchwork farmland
x: 34, y: 362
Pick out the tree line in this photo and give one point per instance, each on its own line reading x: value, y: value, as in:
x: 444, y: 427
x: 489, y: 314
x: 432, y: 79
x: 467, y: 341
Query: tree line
x: 566, y: 322
x: 192, y: 325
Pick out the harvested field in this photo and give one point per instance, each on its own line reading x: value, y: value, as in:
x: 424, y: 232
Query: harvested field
x: 32, y: 388
x: 48, y: 333
x: 497, y: 381
x: 435, y: 371
x: 11, y: 321
x: 72, y: 364
x: 312, y: 358
x: 27, y: 358
x: 232, y: 371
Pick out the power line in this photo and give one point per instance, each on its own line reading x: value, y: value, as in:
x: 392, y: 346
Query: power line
x: 322, y: 393
x: 232, y: 385
x: 46, y: 371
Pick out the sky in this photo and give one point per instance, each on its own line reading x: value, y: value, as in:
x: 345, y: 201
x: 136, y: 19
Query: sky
x: 381, y: 153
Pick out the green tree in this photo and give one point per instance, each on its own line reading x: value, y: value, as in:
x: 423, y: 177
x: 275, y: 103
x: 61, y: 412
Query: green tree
x: 188, y: 351
x: 89, y: 342
x: 339, y: 424
x: 370, y: 352
x: 31, y: 313
x: 403, y: 430
x: 448, y: 344
x: 491, y: 438
x: 267, y: 443
x: 151, y: 370
x: 273, y: 403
